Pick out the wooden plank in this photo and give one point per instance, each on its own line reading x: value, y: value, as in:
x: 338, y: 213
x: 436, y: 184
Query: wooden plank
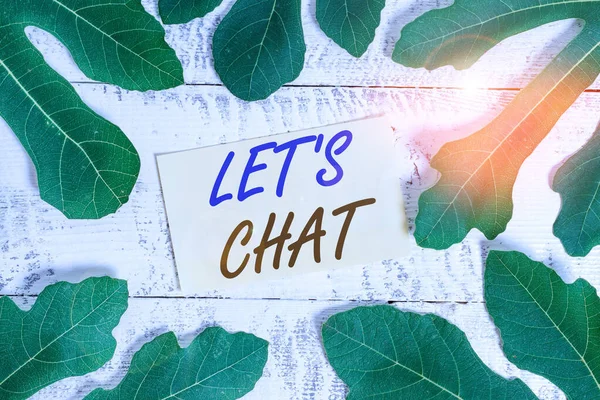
x: 297, y: 367
x: 511, y: 64
x: 38, y: 245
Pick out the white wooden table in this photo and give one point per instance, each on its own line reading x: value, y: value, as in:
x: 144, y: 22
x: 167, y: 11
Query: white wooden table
x: 38, y: 246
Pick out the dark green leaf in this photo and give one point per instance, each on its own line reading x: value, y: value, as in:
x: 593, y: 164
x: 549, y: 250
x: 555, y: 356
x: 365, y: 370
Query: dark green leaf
x: 183, y: 11
x: 217, y: 365
x: 478, y: 172
x: 547, y: 327
x: 383, y: 353
x: 86, y: 166
x: 578, y: 182
x: 66, y: 333
x: 259, y: 47
x: 350, y: 23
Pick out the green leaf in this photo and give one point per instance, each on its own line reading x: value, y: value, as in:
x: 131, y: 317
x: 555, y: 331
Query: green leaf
x: 478, y: 172
x: 183, y: 11
x: 383, y: 353
x: 86, y: 166
x: 578, y: 182
x: 547, y: 327
x: 350, y: 23
x: 66, y: 333
x: 259, y: 46
x: 217, y: 365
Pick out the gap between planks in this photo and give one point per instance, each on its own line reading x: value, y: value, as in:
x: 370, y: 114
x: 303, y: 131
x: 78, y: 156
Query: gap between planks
x: 339, y: 300
x: 340, y: 86
x: 497, y: 89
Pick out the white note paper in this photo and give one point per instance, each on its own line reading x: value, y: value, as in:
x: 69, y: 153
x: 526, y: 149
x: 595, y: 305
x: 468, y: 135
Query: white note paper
x: 339, y: 184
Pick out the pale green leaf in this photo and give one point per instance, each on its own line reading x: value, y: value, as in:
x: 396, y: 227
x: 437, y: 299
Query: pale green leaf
x: 183, y: 11
x: 383, y: 353
x: 478, y: 172
x: 547, y: 327
x: 259, y: 46
x: 578, y: 182
x: 350, y: 23
x: 66, y: 333
x: 216, y: 365
x: 86, y: 166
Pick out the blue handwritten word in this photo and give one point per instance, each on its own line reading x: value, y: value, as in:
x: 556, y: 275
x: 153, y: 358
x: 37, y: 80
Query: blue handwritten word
x: 336, y: 146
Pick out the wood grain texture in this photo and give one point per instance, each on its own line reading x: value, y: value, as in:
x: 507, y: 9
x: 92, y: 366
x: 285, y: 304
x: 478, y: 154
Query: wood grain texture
x: 297, y: 367
x: 328, y: 64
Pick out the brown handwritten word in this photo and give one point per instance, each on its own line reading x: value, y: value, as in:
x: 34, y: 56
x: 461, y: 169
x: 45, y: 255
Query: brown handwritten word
x: 313, y: 232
